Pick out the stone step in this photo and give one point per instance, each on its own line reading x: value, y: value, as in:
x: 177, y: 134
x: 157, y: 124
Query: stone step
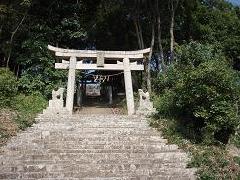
x: 95, y: 143
x: 63, y: 146
x: 59, y: 177
x: 119, y: 116
x: 98, y: 173
x: 103, y: 123
x: 81, y: 120
x: 91, y: 117
x: 68, y: 129
x: 83, y: 171
x: 54, y: 167
x: 94, y: 117
x: 53, y: 137
x: 60, y: 149
x: 87, y: 133
x: 85, y: 120
x: 36, y: 157
x: 86, y: 140
x: 80, y: 128
x: 122, y: 147
x: 90, y: 124
x: 61, y: 165
x: 94, y: 148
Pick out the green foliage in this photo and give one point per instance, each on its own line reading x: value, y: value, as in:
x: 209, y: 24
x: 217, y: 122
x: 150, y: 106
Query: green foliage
x: 72, y: 28
x: 212, y: 162
x: 39, y: 73
x: 203, y: 90
x: 236, y: 139
x: 12, y: 17
x: 237, y: 160
x: 20, y: 114
x: 8, y: 86
x: 218, y: 22
x: 26, y: 3
x: 165, y: 103
x: 27, y: 108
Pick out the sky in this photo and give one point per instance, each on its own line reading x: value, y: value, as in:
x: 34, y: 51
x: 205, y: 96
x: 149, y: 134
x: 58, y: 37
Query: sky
x: 236, y: 2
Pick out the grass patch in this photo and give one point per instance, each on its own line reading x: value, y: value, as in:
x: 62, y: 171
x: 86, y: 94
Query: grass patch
x: 20, y: 114
x: 28, y: 107
x: 236, y: 140
x: 213, y: 162
x: 237, y: 160
x: 8, y: 126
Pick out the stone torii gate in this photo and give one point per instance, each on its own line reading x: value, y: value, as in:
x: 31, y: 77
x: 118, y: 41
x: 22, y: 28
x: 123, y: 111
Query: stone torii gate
x: 126, y: 61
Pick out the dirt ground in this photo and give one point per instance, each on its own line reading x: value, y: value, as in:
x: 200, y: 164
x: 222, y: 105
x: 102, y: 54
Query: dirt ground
x: 8, y: 126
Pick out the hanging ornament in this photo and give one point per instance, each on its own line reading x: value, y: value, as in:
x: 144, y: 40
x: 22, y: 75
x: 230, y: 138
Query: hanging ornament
x: 104, y: 79
x: 94, y: 79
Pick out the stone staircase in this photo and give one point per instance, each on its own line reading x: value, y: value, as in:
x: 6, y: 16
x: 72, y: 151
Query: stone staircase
x: 92, y: 147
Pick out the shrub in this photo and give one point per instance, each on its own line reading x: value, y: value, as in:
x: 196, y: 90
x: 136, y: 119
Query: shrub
x: 8, y: 86
x: 204, y: 92
x: 38, y: 73
x: 209, y: 95
x: 212, y: 162
x: 27, y: 108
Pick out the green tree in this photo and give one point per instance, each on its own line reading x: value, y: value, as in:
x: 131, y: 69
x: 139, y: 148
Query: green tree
x: 202, y: 90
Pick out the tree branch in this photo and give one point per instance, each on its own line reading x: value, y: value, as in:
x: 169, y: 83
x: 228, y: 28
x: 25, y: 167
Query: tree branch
x: 12, y: 36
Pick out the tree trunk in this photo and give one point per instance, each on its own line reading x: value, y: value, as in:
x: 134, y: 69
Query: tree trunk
x: 172, y: 39
x: 149, y: 86
x: 159, y: 31
x: 138, y: 29
x: 137, y: 32
x: 11, y: 39
x: 141, y: 35
x: 137, y: 25
x: 161, y: 57
x: 17, y: 74
x: 173, y: 7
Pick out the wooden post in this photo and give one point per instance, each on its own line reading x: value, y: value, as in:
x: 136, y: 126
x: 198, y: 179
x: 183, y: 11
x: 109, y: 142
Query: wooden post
x: 128, y: 86
x: 71, y: 84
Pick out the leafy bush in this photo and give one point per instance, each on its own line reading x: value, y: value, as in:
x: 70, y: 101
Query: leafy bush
x: 202, y: 90
x: 39, y: 73
x: 27, y: 108
x: 8, y: 86
x: 24, y: 107
x: 212, y: 162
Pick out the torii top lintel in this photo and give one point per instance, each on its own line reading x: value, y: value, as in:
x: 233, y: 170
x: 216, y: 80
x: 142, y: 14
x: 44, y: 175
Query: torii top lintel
x: 139, y: 54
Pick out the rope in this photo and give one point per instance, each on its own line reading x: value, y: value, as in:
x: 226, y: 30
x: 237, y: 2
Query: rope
x: 111, y: 75
x: 103, y: 78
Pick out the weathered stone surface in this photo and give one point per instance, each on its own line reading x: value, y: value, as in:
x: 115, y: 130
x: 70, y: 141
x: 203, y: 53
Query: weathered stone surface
x: 145, y: 105
x: 61, y: 146
x: 128, y: 86
x: 56, y: 103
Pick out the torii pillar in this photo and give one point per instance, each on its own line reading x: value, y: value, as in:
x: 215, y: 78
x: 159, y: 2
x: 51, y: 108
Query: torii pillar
x: 128, y: 86
x: 71, y: 84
